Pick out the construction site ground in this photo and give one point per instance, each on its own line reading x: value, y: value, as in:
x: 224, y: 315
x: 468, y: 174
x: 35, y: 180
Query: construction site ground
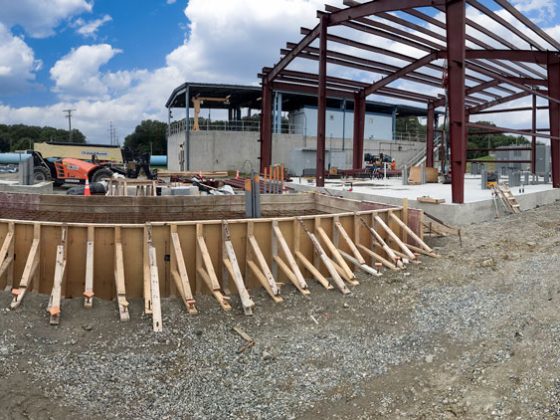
x: 474, y: 334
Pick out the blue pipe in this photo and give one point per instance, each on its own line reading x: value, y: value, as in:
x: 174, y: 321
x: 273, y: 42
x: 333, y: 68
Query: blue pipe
x: 158, y: 160
x: 13, y: 158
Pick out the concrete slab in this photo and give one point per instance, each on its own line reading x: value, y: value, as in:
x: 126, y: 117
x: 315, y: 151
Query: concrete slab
x: 479, y: 205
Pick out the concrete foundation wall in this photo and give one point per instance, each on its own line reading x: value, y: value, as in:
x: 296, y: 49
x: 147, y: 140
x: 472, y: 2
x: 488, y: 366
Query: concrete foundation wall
x: 233, y: 150
x: 454, y: 214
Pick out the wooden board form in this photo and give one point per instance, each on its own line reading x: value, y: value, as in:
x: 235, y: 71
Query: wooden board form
x: 327, y: 229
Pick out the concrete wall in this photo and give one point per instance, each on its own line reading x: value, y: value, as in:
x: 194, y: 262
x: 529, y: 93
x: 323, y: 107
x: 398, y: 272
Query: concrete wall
x: 230, y: 150
x: 341, y: 124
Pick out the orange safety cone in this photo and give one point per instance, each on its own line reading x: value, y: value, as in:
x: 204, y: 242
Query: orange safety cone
x: 87, y: 190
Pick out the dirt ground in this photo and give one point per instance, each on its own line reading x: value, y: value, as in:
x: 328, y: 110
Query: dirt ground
x: 473, y: 334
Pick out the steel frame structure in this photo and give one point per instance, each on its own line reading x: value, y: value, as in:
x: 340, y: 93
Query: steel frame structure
x: 477, y: 75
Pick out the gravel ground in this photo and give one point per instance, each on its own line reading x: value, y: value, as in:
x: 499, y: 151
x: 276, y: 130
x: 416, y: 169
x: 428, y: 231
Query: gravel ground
x: 473, y: 334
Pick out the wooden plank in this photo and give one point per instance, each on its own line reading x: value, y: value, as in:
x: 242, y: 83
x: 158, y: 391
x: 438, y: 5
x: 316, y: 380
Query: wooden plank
x: 292, y: 264
x: 222, y: 300
x: 231, y: 265
x: 430, y: 200
x: 336, y: 254
x: 379, y: 258
x: 388, y: 250
x: 30, y: 269
x: 320, y: 252
x: 157, y: 322
x: 395, y: 238
x: 338, y: 226
x: 146, y: 275
x: 344, y: 275
x: 7, y: 257
x: 179, y: 272
x: 205, y: 258
x: 314, y: 272
x: 55, y: 299
x: 364, y: 267
x: 288, y: 272
x: 411, y: 233
x: 90, y: 248
x: 246, y: 301
x: 264, y: 281
x: 263, y: 265
x: 122, y: 303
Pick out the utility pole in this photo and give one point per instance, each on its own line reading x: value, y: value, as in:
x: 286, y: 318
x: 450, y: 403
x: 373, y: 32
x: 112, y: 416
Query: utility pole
x: 113, y: 134
x: 68, y: 113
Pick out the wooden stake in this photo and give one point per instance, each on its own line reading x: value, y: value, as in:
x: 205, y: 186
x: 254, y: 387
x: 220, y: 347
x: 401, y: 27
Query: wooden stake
x: 232, y: 268
x: 179, y: 272
x: 413, y: 235
x: 59, y: 273
x: 296, y: 274
x: 30, y: 270
x: 395, y: 238
x: 157, y: 322
x: 119, y: 277
x: 90, y: 247
x: 7, y: 257
x: 146, y: 275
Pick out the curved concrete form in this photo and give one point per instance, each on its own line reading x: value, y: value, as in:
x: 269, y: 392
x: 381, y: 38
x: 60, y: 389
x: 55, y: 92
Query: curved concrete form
x: 152, y: 247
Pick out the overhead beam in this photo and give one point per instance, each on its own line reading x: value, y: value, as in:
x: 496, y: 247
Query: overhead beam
x: 376, y: 6
x: 284, y: 62
x: 506, y: 99
x: 402, y: 72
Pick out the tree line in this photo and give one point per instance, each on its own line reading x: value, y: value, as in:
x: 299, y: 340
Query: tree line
x: 21, y: 136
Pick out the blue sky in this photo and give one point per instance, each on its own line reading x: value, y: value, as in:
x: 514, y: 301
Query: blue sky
x: 118, y: 60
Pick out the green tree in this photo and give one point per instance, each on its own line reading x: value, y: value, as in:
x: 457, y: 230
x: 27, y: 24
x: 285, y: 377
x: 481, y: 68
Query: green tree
x: 410, y: 128
x: 481, y: 138
x: 21, y: 136
x: 149, y: 136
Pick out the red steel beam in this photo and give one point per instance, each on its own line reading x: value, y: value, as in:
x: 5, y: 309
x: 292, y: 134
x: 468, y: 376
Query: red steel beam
x: 519, y: 109
x: 359, y: 125
x: 310, y: 90
x: 321, y: 103
x: 455, y: 18
x: 376, y: 6
x: 266, y: 125
x: 534, y: 138
x: 504, y: 23
x: 528, y: 23
x: 506, y: 99
x: 430, y: 136
x: 513, y: 131
x: 526, y: 56
x: 284, y: 62
x: 476, y: 41
x: 553, y: 69
x: 402, y: 72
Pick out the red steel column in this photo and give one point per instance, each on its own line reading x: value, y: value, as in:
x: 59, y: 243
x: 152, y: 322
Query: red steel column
x: 266, y: 126
x: 359, y: 123
x: 554, y: 115
x: 455, y: 18
x: 322, y: 103
x: 534, y: 138
x: 430, y: 136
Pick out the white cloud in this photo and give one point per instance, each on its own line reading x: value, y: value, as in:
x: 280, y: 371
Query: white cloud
x: 17, y: 63
x: 39, y: 18
x: 77, y: 74
x: 90, y: 28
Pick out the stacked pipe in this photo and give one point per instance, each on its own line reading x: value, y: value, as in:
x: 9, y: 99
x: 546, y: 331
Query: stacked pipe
x: 274, y: 179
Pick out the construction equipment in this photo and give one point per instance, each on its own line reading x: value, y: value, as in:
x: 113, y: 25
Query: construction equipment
x: 198, y: 101
x: 71, y: 170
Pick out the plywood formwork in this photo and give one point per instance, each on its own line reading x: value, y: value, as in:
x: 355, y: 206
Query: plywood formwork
x: 219, y: 257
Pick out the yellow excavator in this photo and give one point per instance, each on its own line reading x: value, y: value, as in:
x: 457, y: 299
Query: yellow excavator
x: 198, y: 101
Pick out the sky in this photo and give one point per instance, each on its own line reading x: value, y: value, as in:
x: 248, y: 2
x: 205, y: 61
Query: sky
x: 117, y: 61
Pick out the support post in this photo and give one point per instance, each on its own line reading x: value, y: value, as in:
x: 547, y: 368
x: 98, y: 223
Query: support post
x: 455, y: 18
x: 359, y: 123
x: 187, y: 129
x: 266, y: 125
x: 322, y: 103
x: 554, y: 115
x: 430, y: 136
x: 534, y: 137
